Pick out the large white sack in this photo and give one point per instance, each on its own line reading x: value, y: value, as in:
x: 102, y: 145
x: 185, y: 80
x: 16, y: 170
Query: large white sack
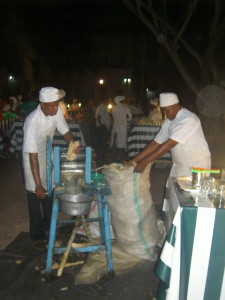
x: 133, y: 217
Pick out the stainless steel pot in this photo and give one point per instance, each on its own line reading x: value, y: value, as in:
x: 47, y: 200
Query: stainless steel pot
x: 74, y: 205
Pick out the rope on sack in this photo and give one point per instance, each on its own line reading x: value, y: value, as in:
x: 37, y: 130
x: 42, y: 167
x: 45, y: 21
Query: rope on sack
x: 138, y: 210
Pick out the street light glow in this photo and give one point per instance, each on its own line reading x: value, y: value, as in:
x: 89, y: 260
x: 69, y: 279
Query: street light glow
x: 101, y: 81
x: 127, y: 80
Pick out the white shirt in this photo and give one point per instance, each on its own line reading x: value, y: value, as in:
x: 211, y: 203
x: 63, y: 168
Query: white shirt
x: 192, y: 149
x: 102, y: 112
x: 36, y: 128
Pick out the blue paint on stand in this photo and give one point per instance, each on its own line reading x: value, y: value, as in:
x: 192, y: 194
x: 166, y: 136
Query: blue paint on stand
x: 88, y: 165
x: 102, y: 191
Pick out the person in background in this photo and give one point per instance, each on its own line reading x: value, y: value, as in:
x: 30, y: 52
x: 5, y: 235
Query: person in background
x: 11, y: 105
x: 182, y: 134
x: 28, y: 105
x: 132, y: 107
x: 155, y: 114
x: 62, y: 104
x: 40, y: 124
x: 74, y: 105
x: 139, y: 110
x: 121, y: 114
x: 89, y: 111
x: 19, y: 99
x: 103, y: 124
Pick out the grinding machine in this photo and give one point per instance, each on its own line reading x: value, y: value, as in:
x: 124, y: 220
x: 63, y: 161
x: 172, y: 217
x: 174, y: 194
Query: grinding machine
x: 73, y: 195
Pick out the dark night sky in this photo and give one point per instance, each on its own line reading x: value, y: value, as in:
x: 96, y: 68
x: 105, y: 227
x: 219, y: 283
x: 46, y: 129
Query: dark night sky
x: 62, y: 30
x: 57, y: 23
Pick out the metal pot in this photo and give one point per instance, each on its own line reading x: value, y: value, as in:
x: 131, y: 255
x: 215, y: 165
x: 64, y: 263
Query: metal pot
x: 74, y: 205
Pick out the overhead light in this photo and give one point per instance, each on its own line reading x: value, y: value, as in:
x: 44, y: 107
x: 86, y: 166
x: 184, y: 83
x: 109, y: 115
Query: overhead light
x: 101, y: 81
x: 127, y: 80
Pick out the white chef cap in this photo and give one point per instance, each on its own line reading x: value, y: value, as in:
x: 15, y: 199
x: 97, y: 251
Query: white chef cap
x: 48, y: 94
x: 62, y: 94
x: 118, y: 99
x: 168, y: 99
x: 154, y: 102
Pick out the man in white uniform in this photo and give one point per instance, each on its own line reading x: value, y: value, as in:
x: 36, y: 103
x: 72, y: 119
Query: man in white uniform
x: 39, y: 124
x: 155, y: 114
x: 103, y: 124
x: 121, y: 114
x: 182, y: 134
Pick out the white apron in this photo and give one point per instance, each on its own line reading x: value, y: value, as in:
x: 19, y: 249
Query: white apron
x: 184, y: 158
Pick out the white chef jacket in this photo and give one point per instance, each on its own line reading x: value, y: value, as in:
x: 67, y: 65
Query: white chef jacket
x: 192, y: 149
x: 36, y: 128
x: 102, y: 112
x: 121, y: 113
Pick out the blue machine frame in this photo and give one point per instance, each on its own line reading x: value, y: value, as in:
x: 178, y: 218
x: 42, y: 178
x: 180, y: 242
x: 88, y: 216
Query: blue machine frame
x: 102, y: 192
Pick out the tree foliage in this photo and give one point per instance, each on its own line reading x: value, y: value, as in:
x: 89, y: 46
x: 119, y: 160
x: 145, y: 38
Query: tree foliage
x: 192, y: 32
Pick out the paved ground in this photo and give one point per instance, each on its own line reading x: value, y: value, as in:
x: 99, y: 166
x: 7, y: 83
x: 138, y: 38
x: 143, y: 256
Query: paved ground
x: 14, y: 243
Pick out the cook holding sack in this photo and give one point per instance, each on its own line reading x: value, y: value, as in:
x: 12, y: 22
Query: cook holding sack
x: 182, y: 134
x: 39, y: 124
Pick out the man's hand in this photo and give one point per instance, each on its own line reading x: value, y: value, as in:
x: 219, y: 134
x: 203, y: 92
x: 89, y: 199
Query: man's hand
x: 141, y: 165
x: 77, y: 149
x: 40, y: 192
x: 131, y: 162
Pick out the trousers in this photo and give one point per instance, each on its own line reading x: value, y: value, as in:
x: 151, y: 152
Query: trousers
x: 39, y: 215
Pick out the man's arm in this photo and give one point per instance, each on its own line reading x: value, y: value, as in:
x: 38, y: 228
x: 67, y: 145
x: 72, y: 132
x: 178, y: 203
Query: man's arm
x: 149, y: 148
x: 68, y: 137
x: 39, y: 191
x: 158, y: 152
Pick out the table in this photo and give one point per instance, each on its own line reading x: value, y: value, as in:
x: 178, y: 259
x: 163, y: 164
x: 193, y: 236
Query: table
x: 5, y: 126
x: 16, y: 136
x: 192, y: 262
x: 139, y: 137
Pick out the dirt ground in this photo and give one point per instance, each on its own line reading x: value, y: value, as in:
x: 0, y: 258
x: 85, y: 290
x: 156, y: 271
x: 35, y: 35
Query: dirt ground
x: 22, y: 267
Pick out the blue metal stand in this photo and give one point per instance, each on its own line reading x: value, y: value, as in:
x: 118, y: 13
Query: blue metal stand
x: 101, y: 190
